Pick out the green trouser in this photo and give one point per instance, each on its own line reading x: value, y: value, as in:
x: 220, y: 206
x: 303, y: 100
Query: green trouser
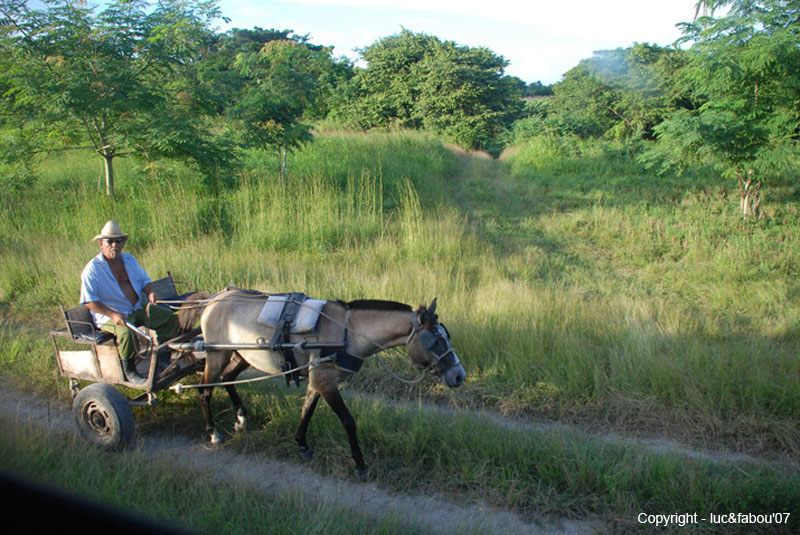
x: 162, y: 320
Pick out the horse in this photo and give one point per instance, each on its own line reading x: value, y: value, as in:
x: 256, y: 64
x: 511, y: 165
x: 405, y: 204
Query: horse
x: 363, y: 328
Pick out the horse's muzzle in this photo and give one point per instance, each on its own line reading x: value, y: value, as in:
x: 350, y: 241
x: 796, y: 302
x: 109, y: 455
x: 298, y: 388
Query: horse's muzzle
x: 454, y: 377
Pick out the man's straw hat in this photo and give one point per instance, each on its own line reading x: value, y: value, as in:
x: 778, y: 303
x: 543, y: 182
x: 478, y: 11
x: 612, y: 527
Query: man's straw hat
x: 110, y: 230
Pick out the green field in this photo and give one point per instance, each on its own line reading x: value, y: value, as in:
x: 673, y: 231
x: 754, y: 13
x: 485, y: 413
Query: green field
x: 579, y: 289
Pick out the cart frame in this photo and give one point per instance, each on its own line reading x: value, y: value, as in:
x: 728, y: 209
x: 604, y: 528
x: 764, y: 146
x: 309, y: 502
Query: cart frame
x: 96, y: 358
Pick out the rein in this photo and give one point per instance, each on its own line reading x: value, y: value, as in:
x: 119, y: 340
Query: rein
x: 401, y: 379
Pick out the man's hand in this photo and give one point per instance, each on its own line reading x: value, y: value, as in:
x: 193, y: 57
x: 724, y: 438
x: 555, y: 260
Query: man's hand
x: 117, y: 318
x: 153, y: 297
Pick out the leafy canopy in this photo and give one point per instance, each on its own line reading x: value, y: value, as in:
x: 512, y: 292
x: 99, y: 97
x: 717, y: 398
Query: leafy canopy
x: 743, y: 67
x: 418, y: 81
x: 283, y: 79
x: 120, y: 82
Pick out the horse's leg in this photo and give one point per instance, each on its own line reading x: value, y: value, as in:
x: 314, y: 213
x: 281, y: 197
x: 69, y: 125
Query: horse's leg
x: 334, y: 398
x: 216, y: 361
x: 236, y: 366
x: 205, y: 404
x: 241, y: 411
x: 312, y: 397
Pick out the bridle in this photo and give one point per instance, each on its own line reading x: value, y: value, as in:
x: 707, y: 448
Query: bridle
x: 429, y: 340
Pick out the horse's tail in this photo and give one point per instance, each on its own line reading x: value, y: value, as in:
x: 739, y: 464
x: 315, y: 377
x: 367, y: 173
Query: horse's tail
x: 190, y: 310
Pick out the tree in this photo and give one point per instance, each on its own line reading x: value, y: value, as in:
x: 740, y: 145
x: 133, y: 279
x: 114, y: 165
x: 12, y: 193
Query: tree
x: 120, y: 82
x: 388, y: 89
x: 283, y: 82
x: 417, y: 81
x: 538, y: 89
x: 744, y: 67
x: 465, y: 97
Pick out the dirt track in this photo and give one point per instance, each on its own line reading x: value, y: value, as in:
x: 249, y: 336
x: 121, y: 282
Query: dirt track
x: 276, y: 478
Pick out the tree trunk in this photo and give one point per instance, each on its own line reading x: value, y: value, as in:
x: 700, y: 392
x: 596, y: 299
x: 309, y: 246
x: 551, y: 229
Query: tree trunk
x: 750, y: 197
x: 108, y: 159
x: 283, y: 162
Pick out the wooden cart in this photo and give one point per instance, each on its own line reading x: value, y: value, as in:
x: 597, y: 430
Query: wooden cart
x: 83, y: 352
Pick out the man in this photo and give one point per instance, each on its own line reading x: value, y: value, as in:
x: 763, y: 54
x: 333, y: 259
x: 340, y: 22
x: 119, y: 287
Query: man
x: 114, y: 287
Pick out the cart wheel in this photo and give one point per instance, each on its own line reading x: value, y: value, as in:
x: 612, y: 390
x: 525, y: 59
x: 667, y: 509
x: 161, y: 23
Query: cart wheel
x: 104, y: 416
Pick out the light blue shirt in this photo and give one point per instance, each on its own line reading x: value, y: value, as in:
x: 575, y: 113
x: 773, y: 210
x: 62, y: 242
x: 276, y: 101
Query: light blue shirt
x: 99, y: 284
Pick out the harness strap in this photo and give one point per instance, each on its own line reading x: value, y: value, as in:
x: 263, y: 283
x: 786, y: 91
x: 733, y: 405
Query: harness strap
x: 343, y: 360
x: 282, y: 334
x: 415, y: 326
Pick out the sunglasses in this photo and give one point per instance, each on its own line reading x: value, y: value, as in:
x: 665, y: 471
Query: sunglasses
x: 112, y: 241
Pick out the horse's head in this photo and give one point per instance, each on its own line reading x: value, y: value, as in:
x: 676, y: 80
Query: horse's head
x: 429, y: 346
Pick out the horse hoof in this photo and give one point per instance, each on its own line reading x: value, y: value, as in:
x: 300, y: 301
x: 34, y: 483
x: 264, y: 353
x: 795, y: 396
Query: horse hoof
x: 241, y: 424
x: 215, y: 440
x: 306, y: 453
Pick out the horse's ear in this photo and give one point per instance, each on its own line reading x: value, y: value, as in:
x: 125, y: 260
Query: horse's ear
x: 422, y: 315
x: 430, y: 317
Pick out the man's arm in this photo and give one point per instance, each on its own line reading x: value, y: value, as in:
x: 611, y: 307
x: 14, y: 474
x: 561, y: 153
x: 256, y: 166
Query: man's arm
x: 99, y: 308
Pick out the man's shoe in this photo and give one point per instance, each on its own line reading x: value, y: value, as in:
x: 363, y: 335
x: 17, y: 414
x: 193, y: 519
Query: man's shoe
x: 135, y: 378
x: 132, y: 374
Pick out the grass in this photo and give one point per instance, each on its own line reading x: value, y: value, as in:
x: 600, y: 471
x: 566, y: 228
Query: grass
x: 577, y: 287
x: 682, y: 276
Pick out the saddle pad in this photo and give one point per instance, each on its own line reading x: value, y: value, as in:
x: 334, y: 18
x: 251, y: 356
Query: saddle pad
x: 305, y: 320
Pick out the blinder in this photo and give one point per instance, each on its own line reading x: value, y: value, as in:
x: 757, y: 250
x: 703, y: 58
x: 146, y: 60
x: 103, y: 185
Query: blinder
x: 439, y: 345
x: 427, y: 339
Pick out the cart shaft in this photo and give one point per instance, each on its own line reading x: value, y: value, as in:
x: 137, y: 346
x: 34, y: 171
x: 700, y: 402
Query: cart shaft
x: 200, y: 346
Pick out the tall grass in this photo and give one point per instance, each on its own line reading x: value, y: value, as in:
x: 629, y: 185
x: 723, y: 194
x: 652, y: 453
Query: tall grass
x: 307, y: 213
x: 567, y: 288
x: 660, y: 293
x: 576, y: 287
x: 555, y: 155
x: 338, y: 200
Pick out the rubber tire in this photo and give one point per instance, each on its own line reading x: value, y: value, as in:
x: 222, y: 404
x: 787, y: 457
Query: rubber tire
x: 103, y: 416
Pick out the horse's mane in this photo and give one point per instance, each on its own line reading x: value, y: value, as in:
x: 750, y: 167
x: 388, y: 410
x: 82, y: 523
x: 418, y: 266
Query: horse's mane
x: 378, y: 305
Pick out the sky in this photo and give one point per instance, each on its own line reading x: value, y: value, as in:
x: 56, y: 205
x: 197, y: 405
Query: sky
x: 541, y: 40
